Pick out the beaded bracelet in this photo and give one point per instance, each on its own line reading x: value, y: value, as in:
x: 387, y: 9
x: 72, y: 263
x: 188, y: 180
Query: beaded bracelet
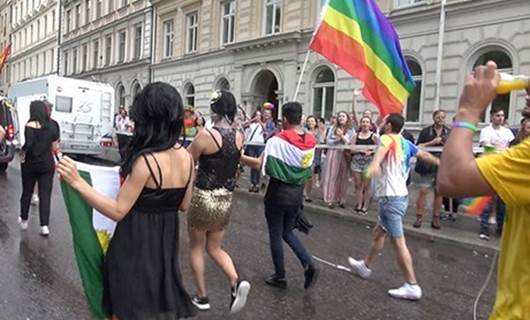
x: 464, y: 125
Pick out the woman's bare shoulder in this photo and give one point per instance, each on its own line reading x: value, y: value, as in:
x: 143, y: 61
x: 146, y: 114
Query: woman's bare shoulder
x: 33, y: 124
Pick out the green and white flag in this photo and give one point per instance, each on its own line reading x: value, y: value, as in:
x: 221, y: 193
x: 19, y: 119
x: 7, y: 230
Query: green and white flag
x: 92, y: 231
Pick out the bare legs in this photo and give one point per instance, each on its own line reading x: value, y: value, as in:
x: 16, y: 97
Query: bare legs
x: 211, y: 242
x: 362, y: 192
x: 436, y: 207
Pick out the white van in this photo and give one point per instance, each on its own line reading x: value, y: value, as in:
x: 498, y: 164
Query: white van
x: 83, y: 109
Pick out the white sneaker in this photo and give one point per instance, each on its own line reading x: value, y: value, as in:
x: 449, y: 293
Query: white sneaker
x: 360, y: 268
x: 44, y: 231
x: 23, y: 223
x: 406, y: 292
x: 34, y: 199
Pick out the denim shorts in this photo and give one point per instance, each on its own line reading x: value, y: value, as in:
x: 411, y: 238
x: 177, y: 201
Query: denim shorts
x: 391, y: 213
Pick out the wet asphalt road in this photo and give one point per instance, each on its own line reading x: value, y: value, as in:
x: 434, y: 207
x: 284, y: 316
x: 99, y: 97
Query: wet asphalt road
x: 39, y: 278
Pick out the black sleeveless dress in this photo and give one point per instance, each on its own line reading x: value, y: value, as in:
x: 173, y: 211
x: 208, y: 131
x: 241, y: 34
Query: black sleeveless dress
x: 216, y: 180
x: 142, y: 273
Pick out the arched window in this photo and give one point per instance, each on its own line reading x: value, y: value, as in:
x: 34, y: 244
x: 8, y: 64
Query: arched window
x: 504, y: 63
x: 136, y: 89
x: 414, y: 101
x: 189, y: 95
x: 222, y: 84
x: 121, y: 96
x: 323, y: 93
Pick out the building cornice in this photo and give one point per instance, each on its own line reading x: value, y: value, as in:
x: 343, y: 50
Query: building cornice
x: 28, y: 51
x: 26, y: 20
x: 266, y: 41
x: 144, y: 62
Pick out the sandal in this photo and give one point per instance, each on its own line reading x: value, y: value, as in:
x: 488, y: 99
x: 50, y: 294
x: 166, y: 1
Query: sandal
x: 342, y: 205
x: 364, y: 211
x: 419, y: 220
x: 307, y: 199
x: 435, y: 224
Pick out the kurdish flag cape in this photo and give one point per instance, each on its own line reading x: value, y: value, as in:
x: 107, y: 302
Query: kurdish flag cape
x: 356, y: 35
x: 288, y: 157
x: 91, y: 231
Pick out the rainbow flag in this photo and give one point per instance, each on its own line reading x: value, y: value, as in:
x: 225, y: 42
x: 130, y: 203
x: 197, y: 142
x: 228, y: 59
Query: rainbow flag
x: 356, y: 35
x: 476, y: 205
x: 3, y: 56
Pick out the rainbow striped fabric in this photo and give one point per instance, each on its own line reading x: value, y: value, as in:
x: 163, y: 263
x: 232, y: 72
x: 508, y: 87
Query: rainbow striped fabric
x: 476, y: 205
x: 356, y: 35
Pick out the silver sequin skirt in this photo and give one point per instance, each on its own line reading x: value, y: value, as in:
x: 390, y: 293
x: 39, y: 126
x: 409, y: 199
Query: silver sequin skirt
x: 210, y: 209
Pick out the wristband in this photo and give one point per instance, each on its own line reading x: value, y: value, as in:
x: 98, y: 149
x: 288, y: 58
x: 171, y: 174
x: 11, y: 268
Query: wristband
x: 464, y: 125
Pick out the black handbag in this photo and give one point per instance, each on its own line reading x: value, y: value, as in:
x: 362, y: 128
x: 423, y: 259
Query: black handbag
x: 302, y: 224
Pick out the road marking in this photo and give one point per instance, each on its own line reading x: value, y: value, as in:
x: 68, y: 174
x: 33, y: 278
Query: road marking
x: 331, y: 264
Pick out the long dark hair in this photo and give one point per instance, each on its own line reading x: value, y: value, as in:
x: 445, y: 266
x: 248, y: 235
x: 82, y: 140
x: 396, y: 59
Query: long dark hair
x: 38, y: 112
x: 158, y: 116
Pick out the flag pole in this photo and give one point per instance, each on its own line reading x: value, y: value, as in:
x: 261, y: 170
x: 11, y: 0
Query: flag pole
x: 295, y: 96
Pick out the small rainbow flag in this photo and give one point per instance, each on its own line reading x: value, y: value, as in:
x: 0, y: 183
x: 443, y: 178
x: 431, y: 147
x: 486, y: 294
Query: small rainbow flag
x: 476, y: 205
x: 356, y: 35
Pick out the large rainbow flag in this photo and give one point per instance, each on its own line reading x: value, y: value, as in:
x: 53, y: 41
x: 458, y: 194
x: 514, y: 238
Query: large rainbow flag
x: 4, y: 55
x: 356, y: 35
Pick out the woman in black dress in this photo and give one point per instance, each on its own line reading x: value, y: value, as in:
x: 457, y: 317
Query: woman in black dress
x: 142, y: 276
x: 37, y: 164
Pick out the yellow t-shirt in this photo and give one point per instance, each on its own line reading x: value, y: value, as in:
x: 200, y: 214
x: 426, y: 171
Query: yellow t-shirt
x: 508, y: 173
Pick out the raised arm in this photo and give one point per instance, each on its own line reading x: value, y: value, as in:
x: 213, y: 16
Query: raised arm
x: 459, y: 175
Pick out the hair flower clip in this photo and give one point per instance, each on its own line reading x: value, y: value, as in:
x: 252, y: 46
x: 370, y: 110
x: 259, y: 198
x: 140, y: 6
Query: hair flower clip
x: 216, y: 95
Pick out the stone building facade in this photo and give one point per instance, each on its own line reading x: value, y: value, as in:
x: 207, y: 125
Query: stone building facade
x: 5, y: 33
x: 108, y: 41
x: 257, y: 48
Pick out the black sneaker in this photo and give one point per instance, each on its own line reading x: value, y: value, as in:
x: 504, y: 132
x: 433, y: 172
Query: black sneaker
x: 239, y: 296
x: 202, y: 304
x: 311, y: 276
x: 275, y: 281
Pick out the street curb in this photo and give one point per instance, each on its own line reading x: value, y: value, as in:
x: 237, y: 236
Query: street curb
x: 423, y: 233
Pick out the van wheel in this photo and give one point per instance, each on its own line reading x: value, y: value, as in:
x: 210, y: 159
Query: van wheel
x: 3, y: 167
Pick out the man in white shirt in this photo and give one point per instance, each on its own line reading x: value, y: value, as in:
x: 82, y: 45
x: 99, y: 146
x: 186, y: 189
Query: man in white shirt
x: 496, y: 134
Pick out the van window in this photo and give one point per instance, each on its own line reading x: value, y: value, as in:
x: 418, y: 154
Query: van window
x: 63, y: 104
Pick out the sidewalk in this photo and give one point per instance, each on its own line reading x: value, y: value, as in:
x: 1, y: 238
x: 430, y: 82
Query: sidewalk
x: 463, y: 232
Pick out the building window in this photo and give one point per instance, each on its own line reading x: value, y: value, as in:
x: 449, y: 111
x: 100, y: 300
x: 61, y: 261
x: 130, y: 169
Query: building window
x: 504, y: 64
x: 323, y: 93
x: 99, y: 3
x: 87, y: 11
x: 111, y: 6
x: 228, y: 23
x: 406, y: 3
x: 121, y: 96
x: 66, y: 63
x: 412, y: 111
x: 108, y: 50
x: 38, y: 30
x: 189, y: 95
x: 68, y: 20
x: 124, y: 3
x: 222, y: 84
x: 31, y: 34
x: 169, y: 29
x: 192, y: 28
x: 121, y: 46
x: 52, y: 55
x: 95, y: 63
x: 45, y: 25
x: 136, y: 89
x: 53, y: 20
x: 74, y: 61
x: 273, y: 16
x: 77, y: 16
x: 137, y: 41
x: 85, y: 58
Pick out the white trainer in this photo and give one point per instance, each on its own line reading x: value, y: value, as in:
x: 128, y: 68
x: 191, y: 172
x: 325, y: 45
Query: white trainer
x: 44, y: 231
x: 35, y: 199
x: 406, y: 292
x: 359, y: 268
x: 23, y: 223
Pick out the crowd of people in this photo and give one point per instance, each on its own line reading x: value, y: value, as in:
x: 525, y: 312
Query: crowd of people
x: 165, y: 173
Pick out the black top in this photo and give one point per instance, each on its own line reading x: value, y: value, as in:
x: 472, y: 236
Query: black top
x: 218, y: 170
x: 38, y: 146
x: 426, y: 135
x: 283, y: 194
x: 365, y: 142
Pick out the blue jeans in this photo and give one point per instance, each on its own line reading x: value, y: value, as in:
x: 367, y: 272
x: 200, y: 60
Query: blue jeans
x: 484, y: 217
x: 391, y: 213
x: 281, y: 222
x: 254, y: 151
